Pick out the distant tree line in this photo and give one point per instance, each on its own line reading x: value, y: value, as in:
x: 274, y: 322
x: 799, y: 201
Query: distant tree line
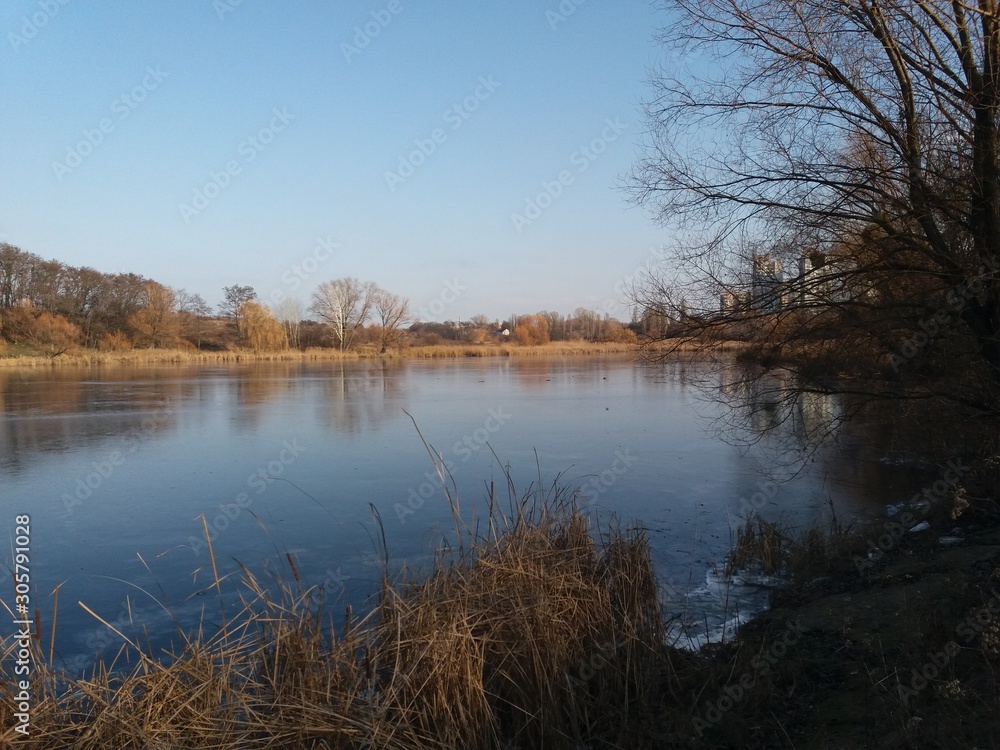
x: 52, y: 307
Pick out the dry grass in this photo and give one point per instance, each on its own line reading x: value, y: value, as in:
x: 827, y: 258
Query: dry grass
x: 514, y: 350
x: 760, y: 547
x: 539, y: 633
x: 534, y: 634
x: 89, y: 357
x: 134, y: 357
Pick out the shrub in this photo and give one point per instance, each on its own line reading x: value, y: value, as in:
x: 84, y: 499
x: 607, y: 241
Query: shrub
x: 532, y: 330
x: 53, y: 334
x: 616, y: 333
x: 260, y: 330
x: 116, y: 341
x: 157, y: 324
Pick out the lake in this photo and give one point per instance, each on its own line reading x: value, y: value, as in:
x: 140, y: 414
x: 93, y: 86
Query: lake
x: 118, y: 467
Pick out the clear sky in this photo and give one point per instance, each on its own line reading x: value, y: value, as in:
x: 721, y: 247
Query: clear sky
x: 204, y: 144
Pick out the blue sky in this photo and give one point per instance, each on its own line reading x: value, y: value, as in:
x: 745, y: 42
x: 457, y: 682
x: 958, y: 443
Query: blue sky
x: 204, y: 144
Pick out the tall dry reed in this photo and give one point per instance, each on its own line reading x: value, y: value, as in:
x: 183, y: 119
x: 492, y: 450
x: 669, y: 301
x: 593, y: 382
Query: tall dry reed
x: 539, y: 632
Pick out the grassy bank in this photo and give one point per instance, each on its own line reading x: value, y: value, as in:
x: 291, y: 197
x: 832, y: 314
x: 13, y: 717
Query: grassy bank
x: 541, y: 631
x: 882, y: 638
x: 135, y: 357
x: 534, y: 634
x: 89, y: 357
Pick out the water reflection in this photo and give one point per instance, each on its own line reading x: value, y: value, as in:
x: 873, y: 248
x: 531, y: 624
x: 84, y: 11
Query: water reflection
x: 362, y: 396
x: 57, y: 410
x: 218, y: 429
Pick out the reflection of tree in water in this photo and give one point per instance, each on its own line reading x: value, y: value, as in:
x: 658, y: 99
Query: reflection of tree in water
x: 258, y: 385
x: 362, y: 395
x: 782, y: 423
x: 110, y: 409
x: 263, y: 382
x: 785, y: 419
x: 676, y: 374
x: 798, y: 419
x: 541, y: 372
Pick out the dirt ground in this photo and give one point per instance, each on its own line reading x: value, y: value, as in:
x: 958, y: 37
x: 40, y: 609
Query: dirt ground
x: 899, y: 652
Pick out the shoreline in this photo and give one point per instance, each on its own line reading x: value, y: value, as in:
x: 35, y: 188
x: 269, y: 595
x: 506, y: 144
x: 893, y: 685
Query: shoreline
x: 139, y: 357
x: 895, y: 645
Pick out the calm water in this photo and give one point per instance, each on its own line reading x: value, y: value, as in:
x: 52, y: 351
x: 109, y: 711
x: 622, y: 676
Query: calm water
x: 117, y: 467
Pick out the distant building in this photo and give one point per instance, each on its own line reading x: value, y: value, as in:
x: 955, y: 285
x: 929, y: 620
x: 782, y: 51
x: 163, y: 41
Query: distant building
x: 766, y: 284
x: 730, y: 301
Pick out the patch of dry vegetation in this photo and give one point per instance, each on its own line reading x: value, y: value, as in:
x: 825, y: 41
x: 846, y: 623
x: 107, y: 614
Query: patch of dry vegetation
x: 121, y: 356
x: 540, y: 632
x: 534, y: 634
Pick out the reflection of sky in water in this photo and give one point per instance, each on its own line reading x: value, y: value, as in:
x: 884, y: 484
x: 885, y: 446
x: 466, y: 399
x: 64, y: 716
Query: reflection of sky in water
x: 116, y: 467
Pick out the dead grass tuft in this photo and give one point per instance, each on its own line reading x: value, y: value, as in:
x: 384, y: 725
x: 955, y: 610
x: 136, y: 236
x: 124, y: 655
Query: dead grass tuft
x: 538, y: 633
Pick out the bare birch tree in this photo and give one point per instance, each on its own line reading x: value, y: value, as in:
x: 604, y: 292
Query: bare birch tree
x: 344, y: 305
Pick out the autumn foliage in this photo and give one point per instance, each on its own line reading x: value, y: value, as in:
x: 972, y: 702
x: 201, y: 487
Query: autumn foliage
x: 53, y: 334
x: 116, y: 341
x: 157, y: 324
x: 260, y: 330
x: 532, y: 330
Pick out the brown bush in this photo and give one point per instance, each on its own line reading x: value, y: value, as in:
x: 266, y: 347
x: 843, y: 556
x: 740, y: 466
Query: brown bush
x: 259, y: 330
x: 18, y: 323
x: 617, y: 333
x: 116, y: 341
x: 157, y: 324
x: 53, y: 334
x: 532, y: 330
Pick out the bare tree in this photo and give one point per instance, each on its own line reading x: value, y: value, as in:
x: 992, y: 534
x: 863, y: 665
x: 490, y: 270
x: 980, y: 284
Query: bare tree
x: 391, y: 312
x: 194, y: 312
x: 557, y: 324
x: 290, y: 313
x: 343, y: 304
x: 157, y: 324
x: 233, y: 299
x: 836, y: 182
